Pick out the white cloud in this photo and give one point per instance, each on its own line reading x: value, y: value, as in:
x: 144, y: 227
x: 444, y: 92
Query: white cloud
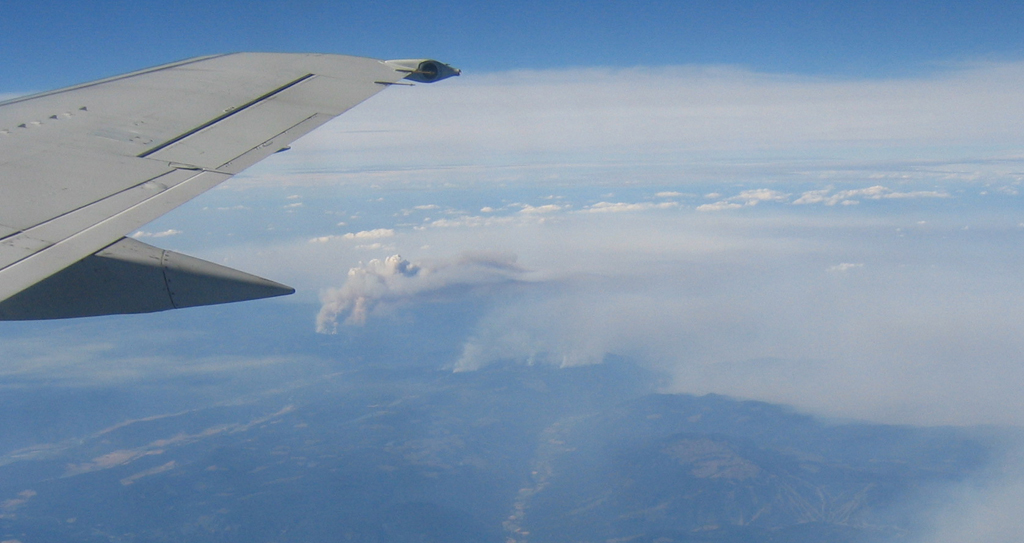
x: 719, y: 206
x: 375, y: 247
x: 622, y: 207
x: 745, y: 199
x: 817, y: 196
x: 371, y: 234
x: 162, y: 234
x: 914, y: 194
x: 813, y: 197
x: 668, y: 194
x: 377, y: 233
x: 539, y: 210
x: 847, y: 197
x: 470, y: 222
x: 751, y: 197
x: 844, y: 266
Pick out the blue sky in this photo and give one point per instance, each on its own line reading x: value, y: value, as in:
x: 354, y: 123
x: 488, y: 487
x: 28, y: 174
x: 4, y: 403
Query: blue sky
x: 810, y: 203
x: 47, y: 43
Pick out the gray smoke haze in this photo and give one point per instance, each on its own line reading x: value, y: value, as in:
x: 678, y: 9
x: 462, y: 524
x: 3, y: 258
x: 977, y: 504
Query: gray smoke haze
x: 985, y: 509
x: 909, y: 319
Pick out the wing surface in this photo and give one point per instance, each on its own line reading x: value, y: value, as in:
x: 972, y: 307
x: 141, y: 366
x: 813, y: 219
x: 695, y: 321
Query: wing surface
x: 81, y: 167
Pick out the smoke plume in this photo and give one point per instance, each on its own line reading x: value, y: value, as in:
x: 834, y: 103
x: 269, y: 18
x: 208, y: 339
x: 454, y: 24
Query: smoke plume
x: 395, y: 279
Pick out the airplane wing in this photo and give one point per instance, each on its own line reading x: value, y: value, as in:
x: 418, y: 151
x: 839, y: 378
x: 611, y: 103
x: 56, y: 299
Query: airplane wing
x: 82, y: 167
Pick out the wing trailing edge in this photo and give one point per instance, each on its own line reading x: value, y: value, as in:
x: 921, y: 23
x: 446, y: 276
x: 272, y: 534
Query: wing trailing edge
x: 133, y: 277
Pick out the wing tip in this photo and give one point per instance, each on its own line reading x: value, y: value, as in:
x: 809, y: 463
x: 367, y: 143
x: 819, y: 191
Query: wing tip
x: 423, y: 70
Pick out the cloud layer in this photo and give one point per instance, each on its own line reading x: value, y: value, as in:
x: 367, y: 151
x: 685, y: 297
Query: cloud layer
x: 685, y: 123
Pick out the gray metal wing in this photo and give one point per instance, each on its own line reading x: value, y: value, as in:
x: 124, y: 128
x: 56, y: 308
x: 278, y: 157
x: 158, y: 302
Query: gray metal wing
x: 81, y: 167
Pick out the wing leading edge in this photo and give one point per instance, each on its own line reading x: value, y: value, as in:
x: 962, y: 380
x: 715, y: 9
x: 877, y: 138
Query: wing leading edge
x: 81, y: 167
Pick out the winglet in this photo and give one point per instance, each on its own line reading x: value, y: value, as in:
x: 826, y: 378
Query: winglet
x: 423, y: 70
